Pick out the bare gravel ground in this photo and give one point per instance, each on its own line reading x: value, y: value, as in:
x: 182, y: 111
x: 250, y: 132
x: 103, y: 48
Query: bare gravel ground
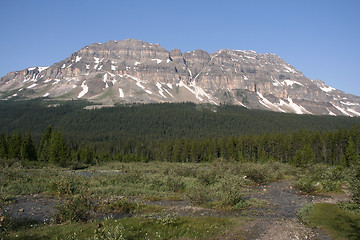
x: 34, y: 208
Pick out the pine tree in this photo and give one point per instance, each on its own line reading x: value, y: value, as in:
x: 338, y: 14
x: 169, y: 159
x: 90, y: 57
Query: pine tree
x: 28, y: 151
x: 3, y: 147
x: 44, y: 146
x: 350, y: 153
x: 86, y: 154
x: 304, y: 156
x: 58, y: 153
x: 176, y: 153
x: 15, y: 143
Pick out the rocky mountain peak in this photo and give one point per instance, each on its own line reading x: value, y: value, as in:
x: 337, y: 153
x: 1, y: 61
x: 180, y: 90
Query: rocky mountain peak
x: 135, y: 71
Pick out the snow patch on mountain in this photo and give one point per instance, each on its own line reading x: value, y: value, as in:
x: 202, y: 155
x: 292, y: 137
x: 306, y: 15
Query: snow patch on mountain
x: 158, y: 61
x: 161, y: 92
x: 121, y: 93
x: 84, y: 91
x: 267, y: 103
x: 167, y: 91
x: 105, y: 80
x: 343, y: 111
x: 327, y: 89
x: 297, y: 108
x: 33, y: 85
x: 289, y: 82
x: 353, y: 111
x: 289, y: 69
x: 330, y: 112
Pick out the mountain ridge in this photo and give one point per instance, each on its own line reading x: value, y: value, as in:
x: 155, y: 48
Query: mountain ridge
x: 135, y: 71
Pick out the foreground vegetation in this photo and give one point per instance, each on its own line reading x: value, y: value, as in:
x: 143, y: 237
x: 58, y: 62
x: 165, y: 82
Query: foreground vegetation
x: 86, y: 196
x: 337, y: 220
x: 135, y: 228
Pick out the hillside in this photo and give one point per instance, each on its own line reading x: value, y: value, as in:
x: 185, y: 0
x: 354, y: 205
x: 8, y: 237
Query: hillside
x: 156, y: 121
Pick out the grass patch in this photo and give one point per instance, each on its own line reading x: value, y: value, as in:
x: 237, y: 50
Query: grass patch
x: 145, y: 227
x: 339, y: 223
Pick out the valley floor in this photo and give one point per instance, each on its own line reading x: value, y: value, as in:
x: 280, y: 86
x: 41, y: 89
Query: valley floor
x: 268, y: 211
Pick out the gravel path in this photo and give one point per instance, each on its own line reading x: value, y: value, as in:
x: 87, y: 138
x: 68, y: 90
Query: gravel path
x: 278, y: 220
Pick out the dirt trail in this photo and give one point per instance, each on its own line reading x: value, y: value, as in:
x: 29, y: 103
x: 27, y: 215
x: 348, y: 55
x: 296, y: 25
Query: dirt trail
x: 278, y: 220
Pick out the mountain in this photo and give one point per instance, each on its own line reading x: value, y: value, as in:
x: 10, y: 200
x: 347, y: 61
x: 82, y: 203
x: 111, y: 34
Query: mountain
x: 131, y: 71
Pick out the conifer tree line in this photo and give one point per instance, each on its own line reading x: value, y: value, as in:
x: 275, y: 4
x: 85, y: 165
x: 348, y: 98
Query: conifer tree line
x: 339, y: 147
x: 51, y: 149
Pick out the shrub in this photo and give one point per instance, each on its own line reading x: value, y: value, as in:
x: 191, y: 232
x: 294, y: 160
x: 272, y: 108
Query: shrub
x: 197, y: 193
x: 228, y: 191
x: 306, y: 185
x: 206, y: 177
x: 256, y: 174
x: 133, y: 176
x: 118, y: 205
x: 175, y: 183
x: 321, y: 178
x: 66, y: 186
x: 75, y: 208
x: 355, y: 183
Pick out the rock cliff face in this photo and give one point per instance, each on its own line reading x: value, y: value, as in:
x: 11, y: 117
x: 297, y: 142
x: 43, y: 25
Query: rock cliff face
x: 135, y: 71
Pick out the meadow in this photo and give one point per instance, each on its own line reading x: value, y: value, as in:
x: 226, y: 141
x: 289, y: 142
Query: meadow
x: 161, y: 200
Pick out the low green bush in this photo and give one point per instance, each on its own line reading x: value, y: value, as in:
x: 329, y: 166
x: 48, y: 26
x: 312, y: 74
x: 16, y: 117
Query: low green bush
x: 75, y: 208
x: 306, y: 184
x: 228, y: 191
x: 321, y: 178
x: 197, y: 193
x: 117, y: 205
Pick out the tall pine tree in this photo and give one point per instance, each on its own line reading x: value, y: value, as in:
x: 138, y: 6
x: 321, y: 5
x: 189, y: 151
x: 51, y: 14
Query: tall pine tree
x: 28, y: 151
x: 44, y: 146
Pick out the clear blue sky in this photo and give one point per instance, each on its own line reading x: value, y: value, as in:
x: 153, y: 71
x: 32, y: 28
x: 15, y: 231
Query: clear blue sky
x: 321, y: 38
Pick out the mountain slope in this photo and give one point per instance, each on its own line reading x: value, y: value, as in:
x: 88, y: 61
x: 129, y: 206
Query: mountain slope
x: 135, y: 71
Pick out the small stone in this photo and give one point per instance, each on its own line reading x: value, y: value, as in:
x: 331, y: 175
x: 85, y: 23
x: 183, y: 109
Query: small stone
x: 21, y: 210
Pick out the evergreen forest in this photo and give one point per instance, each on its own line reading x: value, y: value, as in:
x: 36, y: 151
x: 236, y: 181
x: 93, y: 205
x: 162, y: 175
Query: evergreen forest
x: 67, y: 134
